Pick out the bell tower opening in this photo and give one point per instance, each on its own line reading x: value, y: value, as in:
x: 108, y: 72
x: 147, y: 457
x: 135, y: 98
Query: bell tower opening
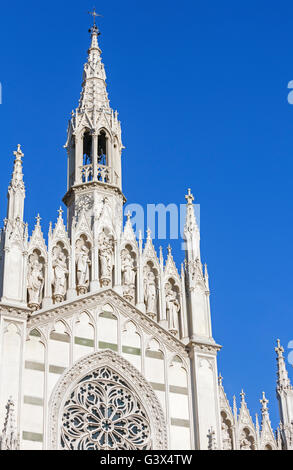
x: 102, y: 149
x: 87, y: 148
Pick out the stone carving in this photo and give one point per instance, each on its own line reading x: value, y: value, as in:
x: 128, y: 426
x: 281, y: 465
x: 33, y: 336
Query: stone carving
x: 227, y: 441
x: 83, y: 270
x: 85, y: 203
x: 9, y: 439
x: 246, y: 440
x: 130, y: 405
x: 150, y: 292
x: 173, y: 308
x: 102, y: 413
x: 60, y: 274
x: 106, y: 259
x: 212, y: 441
x: 245, y: 444
x: 128, y: 276
x: 35, y: 282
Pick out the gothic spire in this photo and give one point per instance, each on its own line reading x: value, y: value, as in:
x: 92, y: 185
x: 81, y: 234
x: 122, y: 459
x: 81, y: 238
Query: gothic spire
x: 190, y: 224
x: 191, y: 230
x: 9, y: 439
x: 264, y: 405
x: 94, y: 94
x: 16, y: 190
x: 283, y: 382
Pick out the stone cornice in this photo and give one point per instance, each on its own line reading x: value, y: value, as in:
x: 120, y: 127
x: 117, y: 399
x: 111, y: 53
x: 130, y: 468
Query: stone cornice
x: 91, y: 185
x: 203, y: 346
x: 14, y: 311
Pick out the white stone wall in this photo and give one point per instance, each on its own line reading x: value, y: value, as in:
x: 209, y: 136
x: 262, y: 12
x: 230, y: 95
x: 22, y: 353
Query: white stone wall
x: 53, y: 346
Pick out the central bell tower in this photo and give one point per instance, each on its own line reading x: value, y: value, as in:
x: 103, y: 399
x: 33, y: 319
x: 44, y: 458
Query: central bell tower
x: 94, y: 147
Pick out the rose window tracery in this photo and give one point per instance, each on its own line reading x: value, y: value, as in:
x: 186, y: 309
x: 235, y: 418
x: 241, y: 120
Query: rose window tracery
x: 103, y: 413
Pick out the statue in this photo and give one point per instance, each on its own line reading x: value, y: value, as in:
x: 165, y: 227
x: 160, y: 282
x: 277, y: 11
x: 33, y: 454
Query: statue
x: 227, y: 442
x: 245, y: 444
x: 128, y: 276
x: 106, y: 262
x: 172, y: 307
x: 82, y: 270
x: 150, y: 293
x: 128, y: 271
x: 60, y: 275
x: 35, y: 282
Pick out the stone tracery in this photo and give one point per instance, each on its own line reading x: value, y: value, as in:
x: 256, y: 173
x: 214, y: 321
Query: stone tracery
x: 103, y: 413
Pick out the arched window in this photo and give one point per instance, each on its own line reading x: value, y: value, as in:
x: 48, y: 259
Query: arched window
x: 102, y: 149
x: 104, y: 403
x: 87, y: 148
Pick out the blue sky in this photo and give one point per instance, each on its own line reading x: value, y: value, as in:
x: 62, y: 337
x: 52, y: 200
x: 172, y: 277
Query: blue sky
x: 201, y: 90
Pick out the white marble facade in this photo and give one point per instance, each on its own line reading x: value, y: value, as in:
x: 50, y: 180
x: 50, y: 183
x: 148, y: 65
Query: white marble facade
x: 94, y: 316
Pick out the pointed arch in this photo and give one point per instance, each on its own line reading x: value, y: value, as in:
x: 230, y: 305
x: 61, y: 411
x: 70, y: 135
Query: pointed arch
x: 108, y: 366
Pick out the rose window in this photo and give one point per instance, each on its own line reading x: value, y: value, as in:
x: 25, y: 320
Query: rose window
x: 103, y: 413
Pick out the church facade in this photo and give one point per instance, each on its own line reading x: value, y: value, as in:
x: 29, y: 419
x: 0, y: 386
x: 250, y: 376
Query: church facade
x: 103, y: 343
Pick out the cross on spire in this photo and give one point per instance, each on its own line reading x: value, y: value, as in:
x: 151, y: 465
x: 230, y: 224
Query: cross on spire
x: 189, y: 197
x: 264, y: 402
x: 279, y: 349
x: 60, y: 212
x: 18, y: 154
x: 94, y: 14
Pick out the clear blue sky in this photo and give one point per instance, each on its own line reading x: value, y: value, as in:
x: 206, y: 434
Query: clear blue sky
x: 201, y: 88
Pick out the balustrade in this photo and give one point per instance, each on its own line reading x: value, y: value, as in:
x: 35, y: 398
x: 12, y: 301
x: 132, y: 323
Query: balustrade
x: 104, y: 174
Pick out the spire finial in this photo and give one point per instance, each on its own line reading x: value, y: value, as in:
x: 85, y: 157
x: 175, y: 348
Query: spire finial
x: 38, y: 219
x: 9, y: 439
x: 242, y: 394
x: 94, y: 14
x: 189, y: 197
x: 283, y: 381
x: 60, y: 212
x: 279, y: 349
x: 18, y: 154
x: 264, y: 403
x: 220, y: 380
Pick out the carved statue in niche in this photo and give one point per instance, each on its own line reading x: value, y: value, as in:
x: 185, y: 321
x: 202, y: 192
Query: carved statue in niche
x: 106, y: 259
x: 128, y: 275
x: 227, y: 442
x: 60, y: 274
x: 245, y: 444
x: 172, y: 307
x: 150, y: 292
x: 83, y: 269
x: 35, y: 282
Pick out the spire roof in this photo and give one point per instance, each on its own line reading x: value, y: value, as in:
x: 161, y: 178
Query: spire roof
x: 190, y: 224
x: 94, y: 94
x: 17, y: 176
x: 283, y: 382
